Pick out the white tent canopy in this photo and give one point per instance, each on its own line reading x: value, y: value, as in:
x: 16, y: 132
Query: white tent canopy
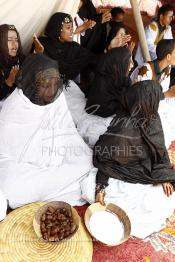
x: 32, y: 16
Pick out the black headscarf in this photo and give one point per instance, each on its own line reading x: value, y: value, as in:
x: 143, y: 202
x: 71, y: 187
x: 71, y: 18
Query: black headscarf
x: 88, y: 11
x: 94, y: 39
x: 111, y: 81
x: 41, y: 68
x: 72, y: 58
x: 133, y: 148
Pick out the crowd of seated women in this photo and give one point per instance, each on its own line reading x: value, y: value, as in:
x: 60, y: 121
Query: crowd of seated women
x: 81, y: 123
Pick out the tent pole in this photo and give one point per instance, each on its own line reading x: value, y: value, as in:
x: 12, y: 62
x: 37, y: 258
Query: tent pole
x: 140, y: 30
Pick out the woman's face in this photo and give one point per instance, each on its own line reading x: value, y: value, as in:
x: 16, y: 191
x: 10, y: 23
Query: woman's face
x: 48, y: 90
x: 66, y: 34
x: 12, y: 43
x: 121, y: 32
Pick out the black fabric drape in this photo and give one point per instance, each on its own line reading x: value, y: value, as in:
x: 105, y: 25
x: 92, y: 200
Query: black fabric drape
x: 133, y: 148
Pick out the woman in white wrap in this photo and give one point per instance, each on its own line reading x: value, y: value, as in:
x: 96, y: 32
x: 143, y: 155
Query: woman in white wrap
x: 42, y: 157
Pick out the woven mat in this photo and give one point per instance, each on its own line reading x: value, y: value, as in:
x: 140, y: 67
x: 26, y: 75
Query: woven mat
x: 19, y: 243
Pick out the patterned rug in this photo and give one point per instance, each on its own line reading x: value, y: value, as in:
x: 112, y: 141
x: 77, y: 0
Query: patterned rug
x: 158, y: 247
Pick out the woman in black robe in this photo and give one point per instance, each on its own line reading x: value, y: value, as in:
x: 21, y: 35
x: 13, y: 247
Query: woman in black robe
x: 58, y: 44
x: 133, y: 169
x: 11, y: 57
x: 111, y: 81
x: 133, y: 149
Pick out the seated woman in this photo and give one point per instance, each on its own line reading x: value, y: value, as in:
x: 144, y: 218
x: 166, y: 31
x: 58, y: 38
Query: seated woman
x: 58, y: 44
x: 11, y: 57
x: 133, y: 166
x: 48, y: 158
x: 159, y: 70
x: 103, y: 101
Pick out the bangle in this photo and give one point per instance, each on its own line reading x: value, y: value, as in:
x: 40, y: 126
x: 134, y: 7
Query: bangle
x: 100, y: 189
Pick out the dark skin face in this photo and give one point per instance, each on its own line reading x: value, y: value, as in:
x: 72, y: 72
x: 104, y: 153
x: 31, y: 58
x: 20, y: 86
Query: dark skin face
x: 118, y: 18
x: 48, y: 90
x: 166, y: 19
x: 66, y: 34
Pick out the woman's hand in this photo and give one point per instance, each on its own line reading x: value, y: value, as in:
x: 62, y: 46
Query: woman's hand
x: 106, y: 17
x: 88, y: 24
x: 168, y: 189
x: 39, y: 48
x: 119, y: 41
x: 100, y: 198
x: 170, y: 92
x: 131, y: 46
x: 11, y: 79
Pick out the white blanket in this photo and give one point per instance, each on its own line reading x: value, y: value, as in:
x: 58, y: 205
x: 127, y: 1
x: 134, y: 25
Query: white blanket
x: 42, y: 156
x: 146, y: 205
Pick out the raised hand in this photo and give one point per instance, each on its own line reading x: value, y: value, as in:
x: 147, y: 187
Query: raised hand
x: 131, y: 46
x: 39, y: 48
x: 106, y: 17
x: 11, y: 78
x: 170, y: 92
x: 119, y: 41
x: 88, y: 24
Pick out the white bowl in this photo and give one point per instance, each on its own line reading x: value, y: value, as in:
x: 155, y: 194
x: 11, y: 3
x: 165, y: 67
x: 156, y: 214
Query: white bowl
x: 108, y: 224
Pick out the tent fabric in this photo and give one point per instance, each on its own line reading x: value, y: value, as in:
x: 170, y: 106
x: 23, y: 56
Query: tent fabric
x: 31, y: 16
x: 147, y: 6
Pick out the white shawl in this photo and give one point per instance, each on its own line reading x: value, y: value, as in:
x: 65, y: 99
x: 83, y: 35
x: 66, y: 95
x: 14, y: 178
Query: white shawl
x: 42, y: 156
